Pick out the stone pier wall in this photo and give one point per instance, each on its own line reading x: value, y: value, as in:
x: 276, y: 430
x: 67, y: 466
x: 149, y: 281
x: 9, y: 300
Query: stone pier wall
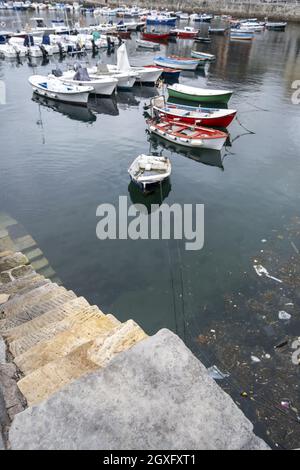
x: 279, y: 11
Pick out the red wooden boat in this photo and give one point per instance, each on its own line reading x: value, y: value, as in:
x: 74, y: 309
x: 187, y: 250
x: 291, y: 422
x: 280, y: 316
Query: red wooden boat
x: 186, y: 135
x: 186, y: 33
x: 167, y: 72
x: 155, y: 36
x: 192, y: 115
x: 121, y: 34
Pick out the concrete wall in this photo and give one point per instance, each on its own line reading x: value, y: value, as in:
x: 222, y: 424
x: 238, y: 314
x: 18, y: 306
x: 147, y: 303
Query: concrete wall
x: 288, y: 11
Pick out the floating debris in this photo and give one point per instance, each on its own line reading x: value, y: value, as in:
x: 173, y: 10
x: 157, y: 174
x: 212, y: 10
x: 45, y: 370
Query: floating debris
x: 216, y: 374
x: 284, y: 315
x: 261, y: 271
x: 295, y: 248
x: 281, y: 345
x: 255, y: 359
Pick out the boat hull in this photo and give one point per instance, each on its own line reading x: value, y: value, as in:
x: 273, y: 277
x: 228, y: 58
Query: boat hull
x: 221, y: 122
x: 178, y: 65
x: 224, y: 98
x: 213, y: 144
x: 203, y: 55
x: 104, y: 89
x: 155, y: 37
x: 80, y: 100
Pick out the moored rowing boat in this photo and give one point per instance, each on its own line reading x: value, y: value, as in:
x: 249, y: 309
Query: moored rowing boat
x: 192, y: 115
x: 188, y: 136
x: 56, y: 90
x: 200, y: 95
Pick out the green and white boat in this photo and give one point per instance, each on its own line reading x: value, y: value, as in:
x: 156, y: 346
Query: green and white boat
x: 200, y: 95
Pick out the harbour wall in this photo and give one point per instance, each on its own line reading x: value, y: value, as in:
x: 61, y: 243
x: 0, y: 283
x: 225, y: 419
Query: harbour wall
x: 279, y: 11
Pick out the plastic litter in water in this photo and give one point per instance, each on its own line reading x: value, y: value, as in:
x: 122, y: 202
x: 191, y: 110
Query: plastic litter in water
x: 216, y: 374
x: 284, y: 315
x: 255, y: 359
x: 261, y: 271
x: 286, y: 404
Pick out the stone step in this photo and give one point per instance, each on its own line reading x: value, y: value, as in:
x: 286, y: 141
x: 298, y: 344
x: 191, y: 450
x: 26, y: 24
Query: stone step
x: 5, y: 253
x: 12, y: 261
x: 6, y: 243
x: 21, y: 345
x: 33, y: 253
x: 47, y: 380
x: 25, y: 243
x: 35, y: 311
x: 109, y: 344
x: 23, y: 302
x: 64, y: 343
x: 33, y: 326
x: 16, y: 273
x: 23, y: 284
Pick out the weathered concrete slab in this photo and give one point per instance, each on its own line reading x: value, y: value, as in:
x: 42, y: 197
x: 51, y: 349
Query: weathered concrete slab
x: 156, y: 396
x: 2, y: 351
x: 13, y: 399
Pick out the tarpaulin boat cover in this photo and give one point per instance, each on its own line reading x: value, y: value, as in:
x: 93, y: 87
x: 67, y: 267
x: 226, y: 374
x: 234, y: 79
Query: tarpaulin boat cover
x: 122, y: 59
x: 82, y: 75
x: 46, y: 40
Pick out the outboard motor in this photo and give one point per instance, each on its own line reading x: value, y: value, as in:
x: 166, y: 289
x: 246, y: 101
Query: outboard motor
x: 61, y: 49
x: 28, y: 41
x: 44, y: 51
x: 94, y: 47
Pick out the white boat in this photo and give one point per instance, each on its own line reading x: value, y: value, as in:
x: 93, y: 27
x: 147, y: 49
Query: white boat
x: 126, y: 80
x: 12, y: 51
x: 203, y: 55
x: 148, y: 45
x: 149, y: 170
x: 55, y: 89
x: 101, y: 85
x: 144, y: 74
x: 184, y: 16
x: 276, y: 26
x: 177, y: 63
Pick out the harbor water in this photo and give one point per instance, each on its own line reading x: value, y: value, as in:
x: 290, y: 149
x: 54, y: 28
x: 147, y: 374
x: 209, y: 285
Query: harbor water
x: 58, y: 163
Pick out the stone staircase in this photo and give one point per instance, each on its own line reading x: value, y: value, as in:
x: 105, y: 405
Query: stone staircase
x: 52, y: 336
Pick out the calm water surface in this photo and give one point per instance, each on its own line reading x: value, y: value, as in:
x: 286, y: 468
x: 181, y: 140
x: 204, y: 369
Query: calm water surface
x: 56, y: 167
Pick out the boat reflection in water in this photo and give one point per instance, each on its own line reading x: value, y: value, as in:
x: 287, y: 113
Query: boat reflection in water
x: 156, y: 196
x: 104, y: 105
x: 145, y: 91
x: 127, y: 99
x: 205, y: 156
x: 200, y: 72
x: 76, y: 113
